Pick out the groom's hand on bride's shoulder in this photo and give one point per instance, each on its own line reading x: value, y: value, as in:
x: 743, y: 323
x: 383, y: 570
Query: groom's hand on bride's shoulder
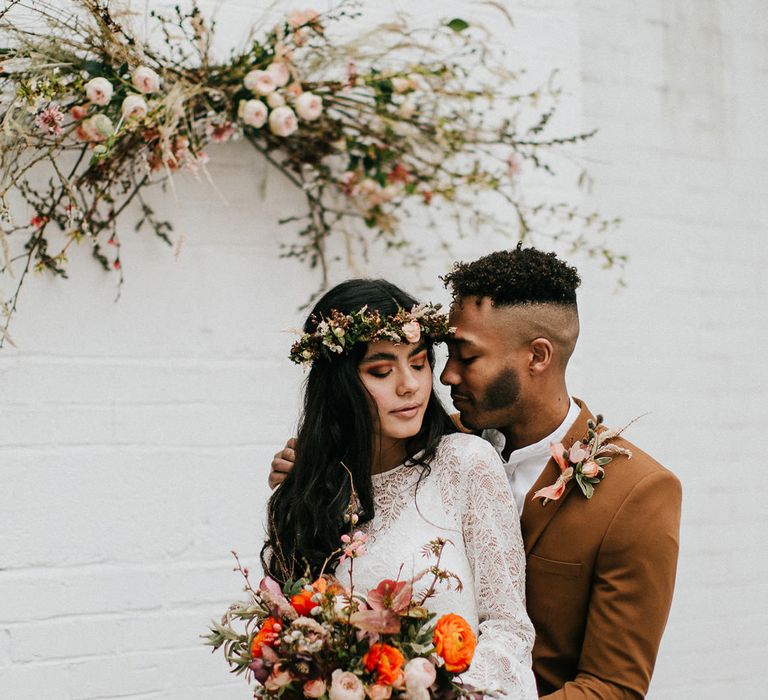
x: 282, y: 463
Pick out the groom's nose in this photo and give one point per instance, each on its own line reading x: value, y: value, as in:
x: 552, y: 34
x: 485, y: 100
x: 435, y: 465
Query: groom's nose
x: 449, y: 376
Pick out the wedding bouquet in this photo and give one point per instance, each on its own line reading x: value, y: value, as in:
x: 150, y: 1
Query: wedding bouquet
x: 323, y: 639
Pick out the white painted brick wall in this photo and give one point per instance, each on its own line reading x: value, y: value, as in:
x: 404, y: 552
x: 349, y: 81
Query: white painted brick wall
x: 135, y: 437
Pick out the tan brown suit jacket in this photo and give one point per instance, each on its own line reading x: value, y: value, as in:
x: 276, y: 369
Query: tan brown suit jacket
x: 600, y: 575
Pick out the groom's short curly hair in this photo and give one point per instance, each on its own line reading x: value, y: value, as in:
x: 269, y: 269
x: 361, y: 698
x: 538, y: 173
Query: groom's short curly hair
x: 517, y: 276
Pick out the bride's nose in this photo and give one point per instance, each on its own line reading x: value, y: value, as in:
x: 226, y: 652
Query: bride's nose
x: 409, y: 382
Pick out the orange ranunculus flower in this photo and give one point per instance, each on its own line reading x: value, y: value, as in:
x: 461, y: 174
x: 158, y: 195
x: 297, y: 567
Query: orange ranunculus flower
x: 385, y: 661
x: 454, y: 642
x: 302, y: 602
x: 267, y: 635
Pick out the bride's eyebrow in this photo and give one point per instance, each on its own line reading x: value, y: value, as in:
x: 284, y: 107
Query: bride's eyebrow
x: 391, y: 357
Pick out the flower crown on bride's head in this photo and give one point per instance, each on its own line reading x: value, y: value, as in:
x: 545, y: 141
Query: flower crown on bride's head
x: 338, y: 332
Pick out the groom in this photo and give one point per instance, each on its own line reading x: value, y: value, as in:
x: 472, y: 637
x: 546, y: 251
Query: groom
x: 600, y: 571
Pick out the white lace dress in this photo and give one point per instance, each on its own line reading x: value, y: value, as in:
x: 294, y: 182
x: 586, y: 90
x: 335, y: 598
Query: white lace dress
x: 465, y: 498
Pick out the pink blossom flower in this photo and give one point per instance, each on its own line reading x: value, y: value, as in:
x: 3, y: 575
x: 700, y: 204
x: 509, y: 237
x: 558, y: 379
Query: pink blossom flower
x: 275, y: 100
x: 283, y: 122
x: 412, y: 331
x: 309, y: 106
x: 99, y: 91
x: 79, y: 112
x: 557, y: 451
x: 419, y: 674
x: 260, y: 82
x: 353, y: 546
x: 50, y: 119
x: 253, y: 113
x: 134, y: 107
x: 578, y: 453
x: 145, y: 80
x: 280, y: 73
x: 220, y: 133
x: 314, y: 689
x: 346, y: 686
x: 392, y: 595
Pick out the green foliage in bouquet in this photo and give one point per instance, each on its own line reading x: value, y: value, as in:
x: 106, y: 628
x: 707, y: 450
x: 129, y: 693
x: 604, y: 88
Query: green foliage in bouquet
x: 91, y: 115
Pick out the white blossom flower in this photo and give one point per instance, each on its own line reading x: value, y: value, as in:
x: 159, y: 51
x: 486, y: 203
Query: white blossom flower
x: 260, y: 82
x: 145, y: 80
x: 283, y: 122
x: 280, y: 73
x: 134, y: 107
x: 309, y: 106
x: 99, y: 91
x: 253, y: 113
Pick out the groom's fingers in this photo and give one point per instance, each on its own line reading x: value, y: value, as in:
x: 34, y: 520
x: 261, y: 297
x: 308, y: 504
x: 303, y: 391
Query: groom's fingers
x: 282, y: 463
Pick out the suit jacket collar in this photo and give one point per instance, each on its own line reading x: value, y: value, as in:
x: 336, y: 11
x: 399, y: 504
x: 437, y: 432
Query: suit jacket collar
x: 536, y: 517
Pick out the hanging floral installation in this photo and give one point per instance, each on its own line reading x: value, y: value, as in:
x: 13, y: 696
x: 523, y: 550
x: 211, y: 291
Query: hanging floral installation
x: 92, y: 115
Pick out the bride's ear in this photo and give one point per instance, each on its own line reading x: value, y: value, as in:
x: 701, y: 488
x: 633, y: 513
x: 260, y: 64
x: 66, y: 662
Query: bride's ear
x: 541, y: 355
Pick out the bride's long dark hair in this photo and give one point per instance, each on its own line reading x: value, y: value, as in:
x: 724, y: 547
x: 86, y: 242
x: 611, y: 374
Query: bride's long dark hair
x: 306, y: 513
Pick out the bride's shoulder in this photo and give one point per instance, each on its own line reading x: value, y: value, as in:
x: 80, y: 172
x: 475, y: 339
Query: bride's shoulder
x: 461, y: 451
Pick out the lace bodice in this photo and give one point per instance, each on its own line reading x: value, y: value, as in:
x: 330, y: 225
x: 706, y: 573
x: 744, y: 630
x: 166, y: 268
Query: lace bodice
x: 466, y: 499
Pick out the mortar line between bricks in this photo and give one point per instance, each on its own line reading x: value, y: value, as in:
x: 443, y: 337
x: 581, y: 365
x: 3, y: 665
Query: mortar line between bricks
x: 95, y: 657
x: 122, y: 567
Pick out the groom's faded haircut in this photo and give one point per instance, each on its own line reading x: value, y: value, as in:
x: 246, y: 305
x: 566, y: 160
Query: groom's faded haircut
x: 538, y: 285
x: 517, y: 276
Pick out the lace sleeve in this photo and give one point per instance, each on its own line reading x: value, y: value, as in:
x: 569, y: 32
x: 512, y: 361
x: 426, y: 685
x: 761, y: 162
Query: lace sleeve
x: 494, y: 546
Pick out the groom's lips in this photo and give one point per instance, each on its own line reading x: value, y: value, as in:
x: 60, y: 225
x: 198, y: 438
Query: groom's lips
x: 460, y: 398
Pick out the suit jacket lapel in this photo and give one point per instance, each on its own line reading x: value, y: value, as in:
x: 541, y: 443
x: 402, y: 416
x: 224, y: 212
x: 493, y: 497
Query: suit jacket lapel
x: 536, y: 517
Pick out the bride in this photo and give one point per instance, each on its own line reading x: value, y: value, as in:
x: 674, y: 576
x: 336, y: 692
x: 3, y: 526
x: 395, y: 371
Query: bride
x: 370, y: 414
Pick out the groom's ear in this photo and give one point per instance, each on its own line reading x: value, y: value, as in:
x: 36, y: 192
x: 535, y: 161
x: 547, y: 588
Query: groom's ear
x: 541, y: 355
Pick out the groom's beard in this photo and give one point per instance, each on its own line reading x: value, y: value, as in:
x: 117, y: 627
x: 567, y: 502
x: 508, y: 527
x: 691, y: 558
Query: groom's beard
x: 502, y: 392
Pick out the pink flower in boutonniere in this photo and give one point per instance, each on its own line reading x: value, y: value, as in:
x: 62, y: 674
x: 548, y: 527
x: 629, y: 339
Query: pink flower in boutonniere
x: 584, y: 461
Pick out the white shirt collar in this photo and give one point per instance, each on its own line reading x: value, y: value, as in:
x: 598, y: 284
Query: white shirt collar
x: 539, y: 448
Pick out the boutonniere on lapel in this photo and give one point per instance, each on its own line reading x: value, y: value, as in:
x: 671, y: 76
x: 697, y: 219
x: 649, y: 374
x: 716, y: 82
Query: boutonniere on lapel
x: 584, y: 461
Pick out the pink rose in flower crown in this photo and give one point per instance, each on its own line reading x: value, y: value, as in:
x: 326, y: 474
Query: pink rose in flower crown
x: 280, y: 73
x: 314, y: 689
x: 99, y: 91
x: 145, y: 80
x: 346, y: 686
x: 134, y: 107
x: 259, y: 81
x: 420, y: 673
x: 309, y: 106
x: 283, y: 122
x: 407, y: 109
x: 412, y: 331
x: 253, y: 113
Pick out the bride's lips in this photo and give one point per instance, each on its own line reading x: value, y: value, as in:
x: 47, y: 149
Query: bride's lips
x: 409, y: 411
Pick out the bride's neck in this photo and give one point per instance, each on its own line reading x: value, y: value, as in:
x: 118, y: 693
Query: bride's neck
x: 387, y: 455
